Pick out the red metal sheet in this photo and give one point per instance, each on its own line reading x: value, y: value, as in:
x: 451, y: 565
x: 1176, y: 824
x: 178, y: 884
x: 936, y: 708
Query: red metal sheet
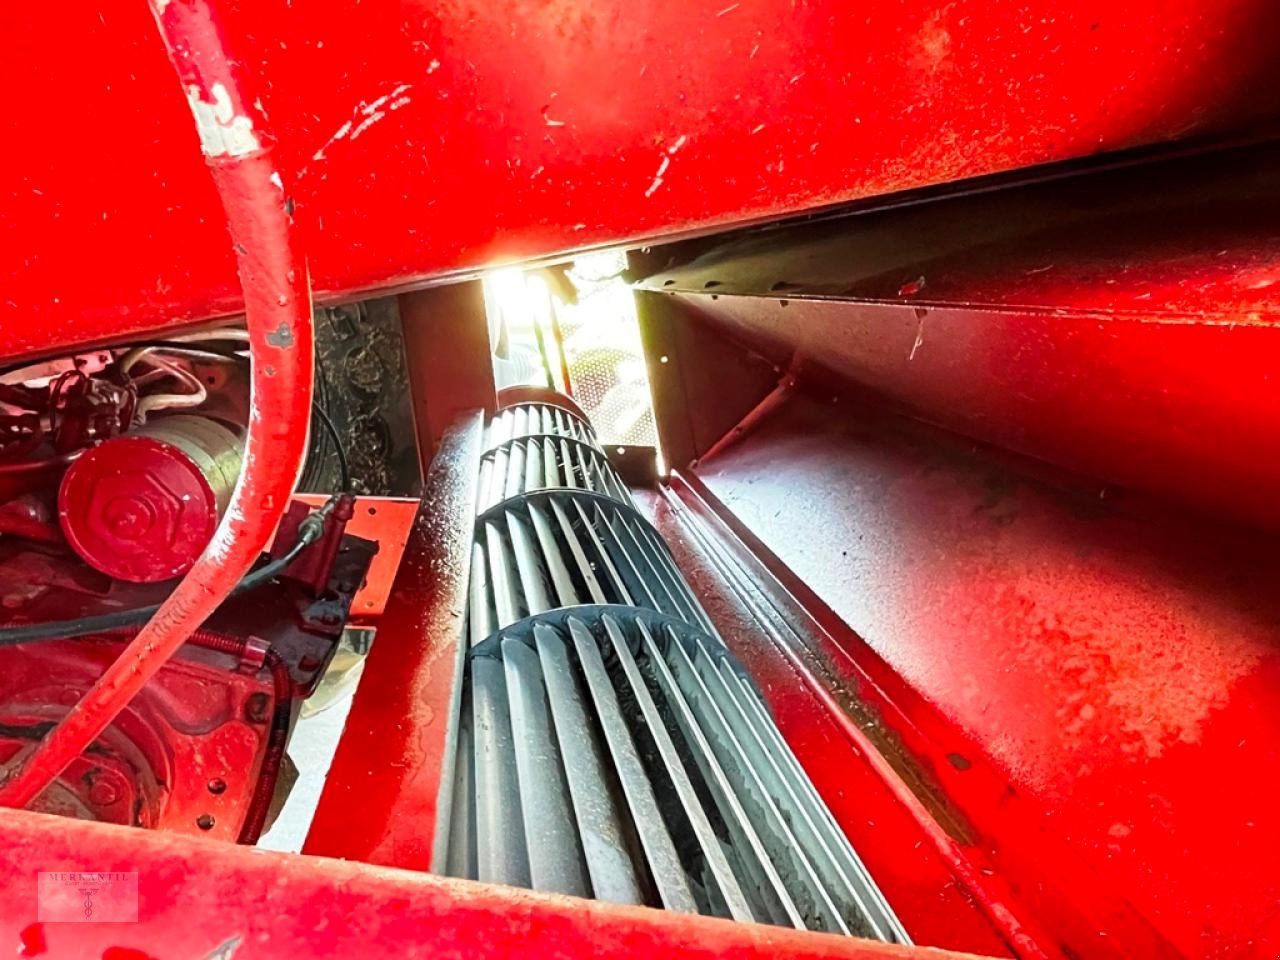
x: 1174, y: 239
x: 387, y: 521
x: 379, y: 800
x: 419, y: 139
x: 1113, y: 661
x: 204, y: 899
x: 938, y: 885
x: 449, y: 358
x: 1121, y: 323
x: 183, y: 757
x: 1187, y: 409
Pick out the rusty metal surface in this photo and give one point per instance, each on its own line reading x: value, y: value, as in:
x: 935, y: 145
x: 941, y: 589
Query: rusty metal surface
x: 423, y: 139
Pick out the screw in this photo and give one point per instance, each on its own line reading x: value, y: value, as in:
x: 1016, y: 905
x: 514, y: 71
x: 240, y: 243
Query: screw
x: 205, y: 821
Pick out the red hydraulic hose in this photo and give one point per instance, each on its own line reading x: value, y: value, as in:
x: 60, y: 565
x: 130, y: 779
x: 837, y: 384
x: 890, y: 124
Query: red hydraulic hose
x: 238, y: 149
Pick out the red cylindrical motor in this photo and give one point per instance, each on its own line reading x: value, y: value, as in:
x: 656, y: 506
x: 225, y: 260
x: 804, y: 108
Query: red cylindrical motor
x: 142, y: 507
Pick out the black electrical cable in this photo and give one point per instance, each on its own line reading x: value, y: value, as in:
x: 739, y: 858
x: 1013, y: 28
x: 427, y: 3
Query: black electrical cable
x: 318, y: 449
x: 309, y: 531
x: 338, y: 448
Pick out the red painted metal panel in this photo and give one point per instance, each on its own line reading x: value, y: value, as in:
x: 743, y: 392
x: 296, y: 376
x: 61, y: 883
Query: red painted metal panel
x: 1188, y: 409
x: 198, y: 722
x: 204, y: 899
x: 935, y: 884
x: 387, y: 521
x: 1120, y: 323
x: 1174, y: 239
x: 1115, y: 662
x: 379, y: 801
x: 449, y: 358
x: 420, y: 139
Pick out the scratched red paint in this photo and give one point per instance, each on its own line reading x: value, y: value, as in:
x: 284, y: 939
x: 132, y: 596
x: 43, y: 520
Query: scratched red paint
x: 529, y: 128
x: 277, y: 296
x: 222, y: 901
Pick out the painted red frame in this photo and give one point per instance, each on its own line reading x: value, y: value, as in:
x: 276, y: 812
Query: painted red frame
x: 422, y: 140
x: 426, y: 141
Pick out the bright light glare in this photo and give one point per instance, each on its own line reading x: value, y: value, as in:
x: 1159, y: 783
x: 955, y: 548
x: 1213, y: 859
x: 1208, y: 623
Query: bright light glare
x: 505, y: 297
x: 601, y: 340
